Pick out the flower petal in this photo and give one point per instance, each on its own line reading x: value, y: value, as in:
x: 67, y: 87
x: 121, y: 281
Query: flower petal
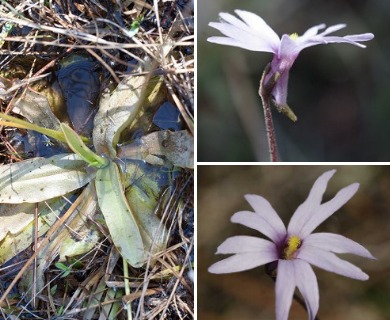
x: 264, y: 219
x: 288, y: 52
x: 261, y: 27
x: 336, y: 243
x: 229, y: 18
x: 330, y: 262
x: 311, y: 204
x: 247, y: 44
x: 259, y: 223
x: 335, y: 39
x: 312, y: 31
x: 232, y: 31
x: 328, y: 208
x: 280, y: 90
x: 352, y: 39
x: 246, y: 244
x: 360, y: 37
x: 333, y: 29
x: 307, y: 284
x: 252, y: 34
x: 241, y: 262
x: 284, y: 289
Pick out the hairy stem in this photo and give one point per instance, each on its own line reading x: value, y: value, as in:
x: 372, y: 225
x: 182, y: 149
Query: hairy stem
x: 265, y: 90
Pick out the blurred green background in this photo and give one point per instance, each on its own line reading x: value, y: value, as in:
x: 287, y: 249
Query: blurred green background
x: 250, y: 294
x: 340, y: 93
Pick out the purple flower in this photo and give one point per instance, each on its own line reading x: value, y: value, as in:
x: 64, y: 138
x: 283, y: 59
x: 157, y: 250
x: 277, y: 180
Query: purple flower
x: 293, y: 249
x: 253, y: 33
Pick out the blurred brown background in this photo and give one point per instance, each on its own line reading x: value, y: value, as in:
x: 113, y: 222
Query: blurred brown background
x: 339, y: 92
x: 250, y: 295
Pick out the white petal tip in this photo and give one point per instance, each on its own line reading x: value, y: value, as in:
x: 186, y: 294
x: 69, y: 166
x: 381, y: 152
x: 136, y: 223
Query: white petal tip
x: 360, y: 276
x: 365, y: 278
x: 354, y: 187
x: 327, y: 175
x: 249, y: 196
x: 366, y: 36
x: 216, y: 40
x: 211, y: 270
x: 357, y: 275
x: 215, y: 268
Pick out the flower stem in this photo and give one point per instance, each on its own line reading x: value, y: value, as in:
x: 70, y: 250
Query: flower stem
x: 265, y: 95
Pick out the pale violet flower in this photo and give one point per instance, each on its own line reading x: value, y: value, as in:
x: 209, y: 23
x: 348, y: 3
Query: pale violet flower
x: 253, y: 33
x: 295, y: 249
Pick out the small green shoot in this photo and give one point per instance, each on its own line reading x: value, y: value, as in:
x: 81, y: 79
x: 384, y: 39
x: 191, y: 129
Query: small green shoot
x: 60, y: 311
x: 76, y: 264
x: 53, y: 290
x: 78, y: 146
x: 66, y: 269
x: 134, y: 28
x: 5, y: 31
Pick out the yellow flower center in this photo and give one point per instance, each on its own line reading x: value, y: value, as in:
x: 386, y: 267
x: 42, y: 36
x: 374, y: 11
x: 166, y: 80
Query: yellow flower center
x: 292, y: 245
x: 294, y: 36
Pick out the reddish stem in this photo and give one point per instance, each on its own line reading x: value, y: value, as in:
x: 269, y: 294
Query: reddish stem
x: 265, y: 95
